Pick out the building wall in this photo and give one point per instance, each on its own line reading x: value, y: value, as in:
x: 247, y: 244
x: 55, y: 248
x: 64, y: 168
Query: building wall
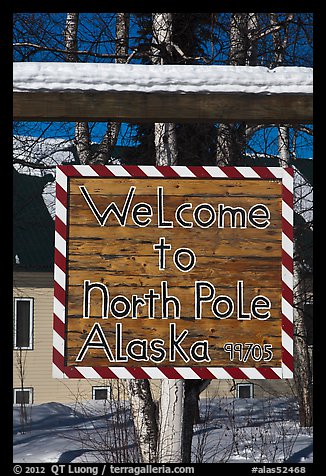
x: 38, y: 362
x: 261, y: 388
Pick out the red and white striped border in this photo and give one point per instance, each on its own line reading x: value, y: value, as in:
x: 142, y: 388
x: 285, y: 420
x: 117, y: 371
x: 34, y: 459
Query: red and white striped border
x: 141, y: 171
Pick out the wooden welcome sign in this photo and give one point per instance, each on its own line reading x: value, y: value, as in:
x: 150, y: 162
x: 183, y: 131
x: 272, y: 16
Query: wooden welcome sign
x: 173, y: 272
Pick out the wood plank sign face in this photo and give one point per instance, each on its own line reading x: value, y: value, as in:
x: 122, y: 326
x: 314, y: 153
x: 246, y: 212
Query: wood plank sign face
x: 173, y: 272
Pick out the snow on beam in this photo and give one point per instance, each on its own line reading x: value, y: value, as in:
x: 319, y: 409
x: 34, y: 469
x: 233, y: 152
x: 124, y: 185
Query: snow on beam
x: 125, y: 92
x: 92, y: 77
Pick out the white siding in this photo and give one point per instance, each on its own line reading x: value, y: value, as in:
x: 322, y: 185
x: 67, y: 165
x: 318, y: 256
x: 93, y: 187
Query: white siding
x: 38, y: 363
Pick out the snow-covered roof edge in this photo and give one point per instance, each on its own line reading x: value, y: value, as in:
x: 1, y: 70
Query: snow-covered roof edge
x: 110, y: 77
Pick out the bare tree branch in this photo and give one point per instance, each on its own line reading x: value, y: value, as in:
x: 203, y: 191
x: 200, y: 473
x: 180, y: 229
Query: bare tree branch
x: 33, y: 165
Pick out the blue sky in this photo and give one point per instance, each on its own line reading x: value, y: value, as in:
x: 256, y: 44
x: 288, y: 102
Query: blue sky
x: 96, y: 32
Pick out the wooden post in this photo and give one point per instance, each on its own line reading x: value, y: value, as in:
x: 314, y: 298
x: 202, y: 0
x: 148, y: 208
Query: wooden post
x: 171, y: 419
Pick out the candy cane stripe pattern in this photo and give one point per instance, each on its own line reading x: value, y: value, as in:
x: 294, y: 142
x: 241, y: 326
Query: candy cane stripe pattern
x: 60, y: 367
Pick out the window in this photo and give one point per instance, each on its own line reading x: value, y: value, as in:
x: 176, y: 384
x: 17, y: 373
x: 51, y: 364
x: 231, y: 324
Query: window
x: 24, y: 396
x: 245, y: 390
x: 101, y: 393
x: 23, y: 323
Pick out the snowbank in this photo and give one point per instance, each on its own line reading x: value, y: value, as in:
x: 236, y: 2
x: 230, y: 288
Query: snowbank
x: 232, y: 430
x: 74, y: 77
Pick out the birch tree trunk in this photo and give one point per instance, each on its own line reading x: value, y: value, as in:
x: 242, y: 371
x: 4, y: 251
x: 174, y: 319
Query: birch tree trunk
x: 113, y: 128
x: 144, y: 414
x: 279, y: 49
x: 231, y: 138
x: 165, y: 138
x: 70, y: 36
x: 158, y: 435
x: 283, y: 146
x: 172, y: 391
x: 82, y: 137
x: 165, y: 141
x: 170, y: 421
x: 178, y: 400
x: 302, y: 357
x: 171, y: 406
x: 191, y: 415
x: 143, y: 407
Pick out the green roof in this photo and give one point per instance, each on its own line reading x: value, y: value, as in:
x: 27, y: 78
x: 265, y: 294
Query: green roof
x: 33, y: 226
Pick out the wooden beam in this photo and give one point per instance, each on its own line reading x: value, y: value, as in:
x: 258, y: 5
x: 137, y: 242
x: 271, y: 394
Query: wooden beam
x: 163, y: 107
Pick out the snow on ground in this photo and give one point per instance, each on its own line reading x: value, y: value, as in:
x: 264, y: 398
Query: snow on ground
x: 112, y: 77
x: 232, y: 430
